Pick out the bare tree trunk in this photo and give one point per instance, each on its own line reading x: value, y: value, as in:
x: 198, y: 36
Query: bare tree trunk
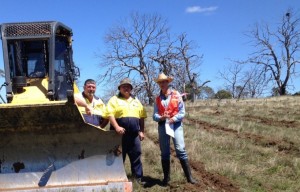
x: 278, y: 51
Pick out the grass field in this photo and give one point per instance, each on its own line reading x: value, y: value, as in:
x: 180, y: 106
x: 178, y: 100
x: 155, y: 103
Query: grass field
x: 245, y: 145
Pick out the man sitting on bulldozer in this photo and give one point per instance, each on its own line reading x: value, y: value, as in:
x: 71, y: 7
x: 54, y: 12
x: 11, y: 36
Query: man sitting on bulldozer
x: 91, y: 106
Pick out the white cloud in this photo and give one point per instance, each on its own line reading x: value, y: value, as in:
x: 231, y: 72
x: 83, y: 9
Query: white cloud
x: 198, y: 9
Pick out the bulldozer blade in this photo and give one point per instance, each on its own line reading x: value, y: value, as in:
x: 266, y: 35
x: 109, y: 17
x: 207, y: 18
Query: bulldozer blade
x: 49, y: 147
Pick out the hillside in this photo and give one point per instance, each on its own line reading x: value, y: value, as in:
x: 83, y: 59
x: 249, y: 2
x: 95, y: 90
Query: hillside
x: 246, y: 145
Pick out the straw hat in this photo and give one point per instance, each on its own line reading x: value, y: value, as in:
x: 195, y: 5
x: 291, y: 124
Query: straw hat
x: 125, y: 81
x: 163, y: 77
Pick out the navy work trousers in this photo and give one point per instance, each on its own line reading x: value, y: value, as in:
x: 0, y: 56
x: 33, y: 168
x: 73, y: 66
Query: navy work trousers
x: 131, y: 145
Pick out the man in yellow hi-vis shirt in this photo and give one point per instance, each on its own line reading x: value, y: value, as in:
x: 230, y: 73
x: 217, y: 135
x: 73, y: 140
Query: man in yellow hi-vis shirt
x: 91, y: 107
x: 126, y: 115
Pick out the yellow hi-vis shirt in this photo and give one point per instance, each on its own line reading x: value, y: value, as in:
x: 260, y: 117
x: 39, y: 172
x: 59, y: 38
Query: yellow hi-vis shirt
x: 120, y: 107
x: 97, y: 105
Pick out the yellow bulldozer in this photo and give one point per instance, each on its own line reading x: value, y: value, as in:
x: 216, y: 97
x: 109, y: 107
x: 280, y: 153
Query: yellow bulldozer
x: 45, y: 144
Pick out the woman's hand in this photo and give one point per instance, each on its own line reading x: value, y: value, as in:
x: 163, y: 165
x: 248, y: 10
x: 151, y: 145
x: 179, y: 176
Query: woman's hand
x: 164, y: 117
x: 171, y: 120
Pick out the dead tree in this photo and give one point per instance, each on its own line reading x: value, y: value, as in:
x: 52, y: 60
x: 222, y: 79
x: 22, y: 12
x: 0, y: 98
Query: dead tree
x: 130, y: 48
x: 277, y: 51
x: 144, y: 48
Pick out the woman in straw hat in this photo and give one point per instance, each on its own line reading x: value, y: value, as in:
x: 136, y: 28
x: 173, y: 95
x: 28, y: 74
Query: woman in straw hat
x: 169, y: 112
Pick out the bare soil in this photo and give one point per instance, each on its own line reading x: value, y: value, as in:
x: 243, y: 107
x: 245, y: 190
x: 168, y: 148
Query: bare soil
x: 272, y: 122
x: 282, y: 145
x: 205, y: 178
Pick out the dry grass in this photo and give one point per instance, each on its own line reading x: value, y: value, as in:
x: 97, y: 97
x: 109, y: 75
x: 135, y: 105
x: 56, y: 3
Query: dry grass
x: 152, y: 166
x: 253, y: 143
x: 254, y: 166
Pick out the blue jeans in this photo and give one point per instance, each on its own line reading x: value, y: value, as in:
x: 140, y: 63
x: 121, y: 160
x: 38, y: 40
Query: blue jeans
x: 178, y: 140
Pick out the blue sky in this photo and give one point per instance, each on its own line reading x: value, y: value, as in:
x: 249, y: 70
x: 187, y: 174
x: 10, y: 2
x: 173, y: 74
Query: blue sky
x: 217, y: 26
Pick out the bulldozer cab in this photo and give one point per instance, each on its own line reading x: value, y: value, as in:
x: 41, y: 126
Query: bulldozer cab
x: 45, y: 144
x: 36, y: 51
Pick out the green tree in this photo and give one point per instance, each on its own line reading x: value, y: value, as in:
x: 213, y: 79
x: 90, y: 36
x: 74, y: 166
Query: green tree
x: 223, y: 94
x: 297, y: 93
x: 207, y: 92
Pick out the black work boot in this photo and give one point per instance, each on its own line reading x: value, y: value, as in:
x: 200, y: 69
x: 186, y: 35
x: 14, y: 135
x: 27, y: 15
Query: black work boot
x: 166, y: 169
x: 140, y: 181
x: 187, y: 171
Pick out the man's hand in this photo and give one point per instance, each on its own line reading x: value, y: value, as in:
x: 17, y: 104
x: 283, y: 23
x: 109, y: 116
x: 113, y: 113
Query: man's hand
x: 88, y: 110
x: 141, y: 135
x: 120, y: 130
